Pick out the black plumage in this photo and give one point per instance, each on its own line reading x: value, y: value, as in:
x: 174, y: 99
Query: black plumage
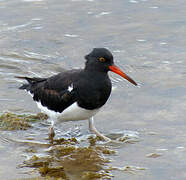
x: 88, y: 90
x: 91, y: 85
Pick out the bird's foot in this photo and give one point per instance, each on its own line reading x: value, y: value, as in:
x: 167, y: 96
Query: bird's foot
x: 99, y: 135
x: 51, y: 134
x: 93, y: 129
x: 104, y: 138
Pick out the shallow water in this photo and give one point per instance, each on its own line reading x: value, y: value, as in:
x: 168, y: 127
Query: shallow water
x: 147, y: 38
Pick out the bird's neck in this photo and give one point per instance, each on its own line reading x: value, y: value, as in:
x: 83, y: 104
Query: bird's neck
x: 92, y: 69
x: 96, y: 73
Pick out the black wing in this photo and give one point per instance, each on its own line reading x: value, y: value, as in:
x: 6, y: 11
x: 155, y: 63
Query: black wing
x: 53, y: 92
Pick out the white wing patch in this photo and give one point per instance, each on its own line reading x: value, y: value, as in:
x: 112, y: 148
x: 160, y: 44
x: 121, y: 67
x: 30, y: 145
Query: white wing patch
x: 70, y: 88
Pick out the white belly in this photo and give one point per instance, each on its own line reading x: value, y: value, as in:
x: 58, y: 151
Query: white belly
x: 72, y: 113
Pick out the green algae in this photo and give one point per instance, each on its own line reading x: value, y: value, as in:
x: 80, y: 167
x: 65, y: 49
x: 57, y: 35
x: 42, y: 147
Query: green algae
x: 93, y: 175
x: 92, y: 140
x: 11, y: 121
x: 129, y: 169
x: 36, y: 161
x: 68, y: 160
x: 61, y: 141
x: 55, y: 172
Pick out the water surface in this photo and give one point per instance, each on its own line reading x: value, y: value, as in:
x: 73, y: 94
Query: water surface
x: 147, y: 38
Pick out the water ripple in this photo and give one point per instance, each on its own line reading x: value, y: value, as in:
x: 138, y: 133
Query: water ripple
x: 13, y: 28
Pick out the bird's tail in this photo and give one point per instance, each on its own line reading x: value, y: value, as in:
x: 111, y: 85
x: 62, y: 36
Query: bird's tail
x: 31, y: 81
x: 24, y: 86
x: 24, y: 77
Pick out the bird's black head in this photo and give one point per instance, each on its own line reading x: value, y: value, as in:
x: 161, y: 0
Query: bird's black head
x: 101, y: 60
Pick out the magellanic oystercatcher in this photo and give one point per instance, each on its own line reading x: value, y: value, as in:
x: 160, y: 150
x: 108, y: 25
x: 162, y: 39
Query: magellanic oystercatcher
x: 76, y: 94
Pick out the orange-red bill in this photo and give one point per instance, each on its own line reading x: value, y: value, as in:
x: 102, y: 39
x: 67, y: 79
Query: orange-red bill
x: 117, y: 70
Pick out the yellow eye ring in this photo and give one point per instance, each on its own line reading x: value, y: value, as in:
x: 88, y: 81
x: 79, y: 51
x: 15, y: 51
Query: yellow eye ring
x: 102, y: 59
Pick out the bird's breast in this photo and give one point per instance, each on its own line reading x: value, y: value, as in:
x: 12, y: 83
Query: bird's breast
x: 93, y: 94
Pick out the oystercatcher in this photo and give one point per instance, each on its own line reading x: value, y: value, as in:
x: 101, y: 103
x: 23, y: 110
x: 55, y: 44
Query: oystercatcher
x: 76, y: 94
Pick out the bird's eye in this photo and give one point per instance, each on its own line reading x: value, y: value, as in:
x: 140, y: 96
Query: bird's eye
x: 102, y: 59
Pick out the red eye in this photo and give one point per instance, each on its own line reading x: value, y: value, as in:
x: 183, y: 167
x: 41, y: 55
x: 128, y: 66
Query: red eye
x: 102, y: 59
